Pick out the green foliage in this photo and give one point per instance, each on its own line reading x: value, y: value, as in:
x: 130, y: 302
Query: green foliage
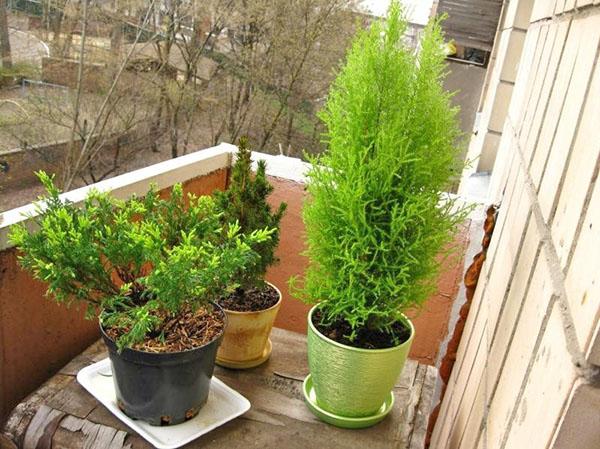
x: 245, y: 202
x: 20, y: 70
x: 376, y: 220
x: 138, y: 261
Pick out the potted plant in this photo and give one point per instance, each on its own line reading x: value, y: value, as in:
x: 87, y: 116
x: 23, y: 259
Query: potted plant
x: 252, y: 308
x: 376, y: 220
x: 152, y: 268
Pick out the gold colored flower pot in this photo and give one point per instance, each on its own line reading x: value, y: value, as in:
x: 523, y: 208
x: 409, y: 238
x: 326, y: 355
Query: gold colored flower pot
x: 246, y: 342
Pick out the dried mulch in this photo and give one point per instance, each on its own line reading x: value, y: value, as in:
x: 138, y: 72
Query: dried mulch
x: 188, y: 330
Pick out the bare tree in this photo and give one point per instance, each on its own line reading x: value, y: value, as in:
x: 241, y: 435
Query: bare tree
x: 172, y: 75
x: 78, y: 158
x: 279, y: 60
x: 5, y: 53
x: 187, y: 36
x: 98, y: 118
x: 264, y: 61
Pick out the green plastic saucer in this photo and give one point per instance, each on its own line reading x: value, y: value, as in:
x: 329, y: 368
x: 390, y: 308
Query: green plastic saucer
x: 343, y: 421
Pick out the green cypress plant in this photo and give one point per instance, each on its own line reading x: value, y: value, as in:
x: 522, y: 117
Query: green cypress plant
x: 245, y: 202
x: 376, y: 218
x: 140, y: 263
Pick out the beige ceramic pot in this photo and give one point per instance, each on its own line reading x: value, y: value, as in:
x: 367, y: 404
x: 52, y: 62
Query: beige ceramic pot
x: 246, y: 342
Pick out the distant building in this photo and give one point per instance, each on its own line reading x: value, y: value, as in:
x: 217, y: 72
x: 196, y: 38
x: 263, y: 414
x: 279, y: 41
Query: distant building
x: 417, y: 11
x: 470, y: 24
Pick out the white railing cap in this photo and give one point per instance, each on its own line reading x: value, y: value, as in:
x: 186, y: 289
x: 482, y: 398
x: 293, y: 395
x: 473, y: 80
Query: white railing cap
x: 181, y: 169
x: 163, y: 174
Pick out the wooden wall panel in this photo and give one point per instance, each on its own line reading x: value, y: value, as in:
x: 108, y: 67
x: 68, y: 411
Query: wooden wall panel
x: 471, y: 23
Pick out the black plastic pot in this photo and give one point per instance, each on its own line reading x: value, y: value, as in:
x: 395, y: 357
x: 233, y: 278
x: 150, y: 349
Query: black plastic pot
x: 162, y: 388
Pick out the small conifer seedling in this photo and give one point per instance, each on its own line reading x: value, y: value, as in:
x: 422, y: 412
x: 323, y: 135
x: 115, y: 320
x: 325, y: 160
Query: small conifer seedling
x: 245, y: 202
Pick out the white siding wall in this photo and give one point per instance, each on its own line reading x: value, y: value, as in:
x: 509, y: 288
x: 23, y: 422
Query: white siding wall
x: 526, y: 375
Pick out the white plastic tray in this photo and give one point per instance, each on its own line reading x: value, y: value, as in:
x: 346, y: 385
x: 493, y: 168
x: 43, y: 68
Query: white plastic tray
x: 223, y: 405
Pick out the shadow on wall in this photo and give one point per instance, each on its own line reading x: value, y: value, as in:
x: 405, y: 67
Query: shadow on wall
x: 467, y: 81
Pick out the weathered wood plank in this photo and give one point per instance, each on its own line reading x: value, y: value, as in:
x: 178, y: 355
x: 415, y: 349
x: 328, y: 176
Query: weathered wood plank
x: 64, y: 439
x: 423, y: 408
x: 23, y: 413
x: 118, y: 441
x: 72, y: 424
x: 255, y: 415
x: 75, y: 365
x: 90, y: 430
x: 101, y: 438
x: 272, y: 401
x: 42, y: 427
x: 289, y: 387
x: 289, y: 357
x: 278, y: 418
x: 73, y: 400
x: 6, y: 443
x: 135, y: 441
x: 80, y: 433
x: 101, y: 415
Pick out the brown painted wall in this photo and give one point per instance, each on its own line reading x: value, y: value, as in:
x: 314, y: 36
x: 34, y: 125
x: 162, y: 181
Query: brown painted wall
x: 37, y: 336
x: 206, y: 185
x: 292, y: 314
x: 431, y: 323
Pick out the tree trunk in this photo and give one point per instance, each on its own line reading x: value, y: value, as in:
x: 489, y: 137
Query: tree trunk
x: 56, y: 24
x: 45, y: 19
x: 290, y: 129
x: 4, y: 40
x: 116, y: 33
x: 70, y: 171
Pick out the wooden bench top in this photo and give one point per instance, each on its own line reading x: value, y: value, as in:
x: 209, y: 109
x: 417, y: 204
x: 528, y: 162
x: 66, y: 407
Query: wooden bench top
x: 61, y: 414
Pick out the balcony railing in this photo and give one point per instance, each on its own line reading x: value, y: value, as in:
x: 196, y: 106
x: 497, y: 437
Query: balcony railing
x: 38, y: 337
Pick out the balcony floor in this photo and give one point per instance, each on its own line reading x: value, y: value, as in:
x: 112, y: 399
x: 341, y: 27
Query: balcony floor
x: 61, y: 414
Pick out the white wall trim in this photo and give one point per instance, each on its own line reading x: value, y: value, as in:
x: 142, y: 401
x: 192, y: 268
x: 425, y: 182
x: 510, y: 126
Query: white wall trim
x: 284, y: 167
x: 180, y: 169
x: 164, y: 174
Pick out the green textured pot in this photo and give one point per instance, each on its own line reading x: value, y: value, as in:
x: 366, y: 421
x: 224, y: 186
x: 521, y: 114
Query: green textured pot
x: 353, y: 382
